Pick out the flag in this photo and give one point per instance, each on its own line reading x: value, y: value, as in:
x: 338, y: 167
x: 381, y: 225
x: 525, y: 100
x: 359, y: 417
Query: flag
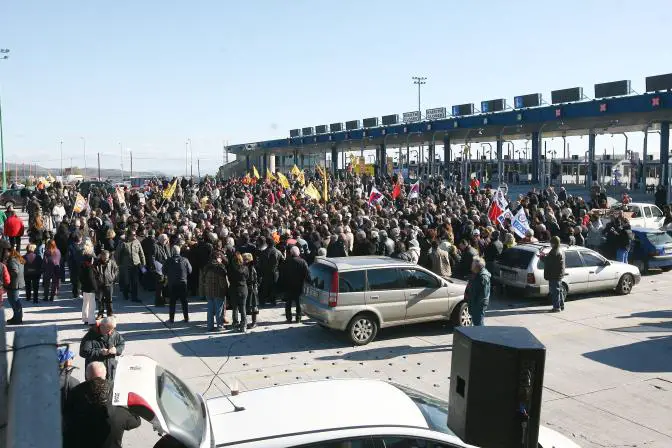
x: 375, y: 196
x: 301, y: 178
x: 495, y: 211
x: 170, y: 191
x: 283, y: 180
x: 415, y: 190
x: 247, y: 179
x: 269, y: 176
x: 500, y: 198
x: 325, y: 182
x: 312, y: 192
x: 80, y: 204
x: 506, y: 214
x: 295, y: 170
x: 255, y: 173
x: 396, y: 191
x: 520, y: 224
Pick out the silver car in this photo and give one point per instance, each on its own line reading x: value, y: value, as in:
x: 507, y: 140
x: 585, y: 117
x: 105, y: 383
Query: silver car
x: 522, y: 268
x: 360, y: 295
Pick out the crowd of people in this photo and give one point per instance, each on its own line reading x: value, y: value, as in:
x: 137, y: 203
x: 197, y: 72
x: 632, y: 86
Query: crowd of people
x: 246, y: 243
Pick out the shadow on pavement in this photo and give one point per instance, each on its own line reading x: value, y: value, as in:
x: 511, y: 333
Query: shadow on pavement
x: 652, y: 356
x: 382, y: 353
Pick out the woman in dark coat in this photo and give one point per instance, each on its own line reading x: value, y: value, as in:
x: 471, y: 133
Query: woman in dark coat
x: 32, y: 271
x: 252, y: 289
x: 15, y: 264
x: 52, y: 271
x: 238, y: 275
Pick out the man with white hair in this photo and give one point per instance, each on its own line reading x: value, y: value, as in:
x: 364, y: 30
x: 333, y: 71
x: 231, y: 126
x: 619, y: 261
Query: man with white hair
x: 478, y: 291
x: 295, y: 273
x: 103, y: 343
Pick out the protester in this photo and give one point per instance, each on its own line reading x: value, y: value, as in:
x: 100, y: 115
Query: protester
x: 238, y: 276
x: 103, y: 343
x: 15, y: 267
x: 66, y: 380
x: 52, y: 271
x: 131, y: 260
x: 32, y: 271
x: 554, y: 271
x: 478, y: 291
x: 295, y: 273
x: 106, y: 272
x: 87, y: 280
x: 177, y: 269
x: 14, y: 229
x: 252, y: 304
x: 91, y: 421
x: 215, y: 288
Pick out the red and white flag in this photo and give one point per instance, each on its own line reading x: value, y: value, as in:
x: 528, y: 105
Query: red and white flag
x: 396, y: 191
x: 415, y: 190
x: 375, y: 196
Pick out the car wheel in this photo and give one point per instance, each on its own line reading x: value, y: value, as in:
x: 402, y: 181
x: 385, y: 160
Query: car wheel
x: 625, y: 284
x: 461, y: 316
x: 362, y: 329
x: 8, y: 203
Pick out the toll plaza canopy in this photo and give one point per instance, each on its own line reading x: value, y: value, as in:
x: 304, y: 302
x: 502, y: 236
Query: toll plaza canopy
x: 628, y: 113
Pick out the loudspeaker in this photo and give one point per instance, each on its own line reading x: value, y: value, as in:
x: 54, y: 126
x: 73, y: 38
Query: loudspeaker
x: 496, y: 381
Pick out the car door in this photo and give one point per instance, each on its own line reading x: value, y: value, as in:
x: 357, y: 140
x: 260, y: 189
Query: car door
x: 426, y: 297
x: 599, y: 274
x: 576, y: 274
x: 648, y: 217
x: 657, y: 217
x: 385, y: 292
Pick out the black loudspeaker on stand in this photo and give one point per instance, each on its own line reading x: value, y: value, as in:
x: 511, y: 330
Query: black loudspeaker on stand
x: 496, y: 381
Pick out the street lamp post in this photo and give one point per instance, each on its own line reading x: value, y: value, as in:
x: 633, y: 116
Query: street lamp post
x: 419, y: 81
x: 61, y: 147
x: 121, y: 151
x: 130, y: 153
x: 84, y: 149
x: 186, y: 157
x: 4, y: 54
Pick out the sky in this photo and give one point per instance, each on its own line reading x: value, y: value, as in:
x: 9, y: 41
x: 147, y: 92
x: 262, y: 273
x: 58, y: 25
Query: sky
x: 145, y: 76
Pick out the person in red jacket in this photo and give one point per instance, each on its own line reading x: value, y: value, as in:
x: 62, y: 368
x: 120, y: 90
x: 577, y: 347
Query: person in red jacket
x: 14, y: 229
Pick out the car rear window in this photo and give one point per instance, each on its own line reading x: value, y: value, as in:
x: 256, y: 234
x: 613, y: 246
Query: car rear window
x: 516, y: 258
x: 659, y: 238
x: 353, y: 281
x: 320, y: 276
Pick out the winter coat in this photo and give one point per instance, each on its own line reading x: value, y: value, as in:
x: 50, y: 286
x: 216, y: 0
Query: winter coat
x: 294, y: 274
x: 52, y: 262
x: 478, y: 289
x: 238, y: 275
x: 131, y: 254
x: 252, y: 289
x: 213, y: 281
x: 14, y: 227
x: 33, y: 267
x: 176, y: 269
x: 105, y: 273
x: 16, y: 276
x: 87, y: 277
x: 94, y: 342
x: 440, y: 262
x: 554, y: 264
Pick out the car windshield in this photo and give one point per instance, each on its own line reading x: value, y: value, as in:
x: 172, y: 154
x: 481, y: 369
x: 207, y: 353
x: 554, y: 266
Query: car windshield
x: 433, y: 409
x: 516, y: 258
x: 659, y: 238
x: 184, y: 412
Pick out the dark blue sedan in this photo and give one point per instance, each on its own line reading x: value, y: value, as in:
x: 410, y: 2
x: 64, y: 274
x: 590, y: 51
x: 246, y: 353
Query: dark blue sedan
x: 651, y: 248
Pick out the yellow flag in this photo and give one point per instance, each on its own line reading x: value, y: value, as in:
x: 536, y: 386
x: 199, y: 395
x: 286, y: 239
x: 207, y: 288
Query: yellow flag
x: 295, y: 170
x: 255, y: 173
x: 170, y: 191
x: 312, y: 192
x: 325, y: 185
x: 269, y: 176
x: 301, y: 178
x: 283, y: 180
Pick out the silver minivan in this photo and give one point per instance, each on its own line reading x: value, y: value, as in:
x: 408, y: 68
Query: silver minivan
x: 360, y: 295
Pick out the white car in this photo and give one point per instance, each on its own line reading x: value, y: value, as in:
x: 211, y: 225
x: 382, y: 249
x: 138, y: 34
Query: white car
x: 641, y: 214
x: 349, y: 413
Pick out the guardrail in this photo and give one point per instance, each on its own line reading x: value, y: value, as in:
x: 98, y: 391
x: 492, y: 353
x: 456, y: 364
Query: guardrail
x: 30, y: 400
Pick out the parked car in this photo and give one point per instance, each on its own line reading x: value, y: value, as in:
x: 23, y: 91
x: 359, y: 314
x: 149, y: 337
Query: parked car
x: 641, y: 214
x: 361, y: 295
x: 522, y: 268
x: 11, y: 196
x: 293, y: 415
x: 651, y: 248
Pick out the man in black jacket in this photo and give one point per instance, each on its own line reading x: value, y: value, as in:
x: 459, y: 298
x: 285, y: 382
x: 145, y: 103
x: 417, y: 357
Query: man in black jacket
x: 554, y: 271
x: 103, y: 343
x: 468, y: 255
x: 177, y: 270
x: 295, y: 272
x: 269, y: 265
x: 90, y: 420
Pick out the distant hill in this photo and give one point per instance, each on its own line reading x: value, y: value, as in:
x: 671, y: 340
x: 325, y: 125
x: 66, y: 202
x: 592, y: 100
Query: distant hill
x: 105, y: 173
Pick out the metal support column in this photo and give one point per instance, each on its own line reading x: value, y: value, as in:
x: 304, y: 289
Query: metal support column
x: 500, y: 160
x: 264, y: 164
x: 536, y: 156
x: 446, y: 156
x: 383, y: 159
x: 303, y: 161
x: 590, y: 169
x: 334, y: 159
x: 665, y: 152
x: 247, y: 163
x: 432, y: 155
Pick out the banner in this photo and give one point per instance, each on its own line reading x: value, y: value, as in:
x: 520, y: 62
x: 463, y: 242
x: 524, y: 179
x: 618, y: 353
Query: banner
x: 295, y: 170
x: 506, y: 214
x: 312, y: 192
x: 519, y: 224
x: 301, y: 178
x: 120, y: 196
x: 80, y: 204
x: 255, y: 173
x: 269, y: 176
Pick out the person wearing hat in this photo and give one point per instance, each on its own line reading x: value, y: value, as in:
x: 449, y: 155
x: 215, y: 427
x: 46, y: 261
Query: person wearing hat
x: 66, y: 380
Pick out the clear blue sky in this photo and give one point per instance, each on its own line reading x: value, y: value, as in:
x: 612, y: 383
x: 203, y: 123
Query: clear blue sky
x: 151, y: 74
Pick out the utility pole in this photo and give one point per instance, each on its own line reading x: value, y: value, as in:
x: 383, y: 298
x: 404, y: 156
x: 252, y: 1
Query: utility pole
x: 98, y: 166
x: 121, y: 151
x: 131, y: 153
x: 420, y: 81
x: 84, y: 148
x: 4, y: 54
x: 198, y: 165
x: 61, y: 145
x: 186, y: 157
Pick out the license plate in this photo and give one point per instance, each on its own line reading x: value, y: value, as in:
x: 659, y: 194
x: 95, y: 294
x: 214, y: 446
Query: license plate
x: 509, y: 275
